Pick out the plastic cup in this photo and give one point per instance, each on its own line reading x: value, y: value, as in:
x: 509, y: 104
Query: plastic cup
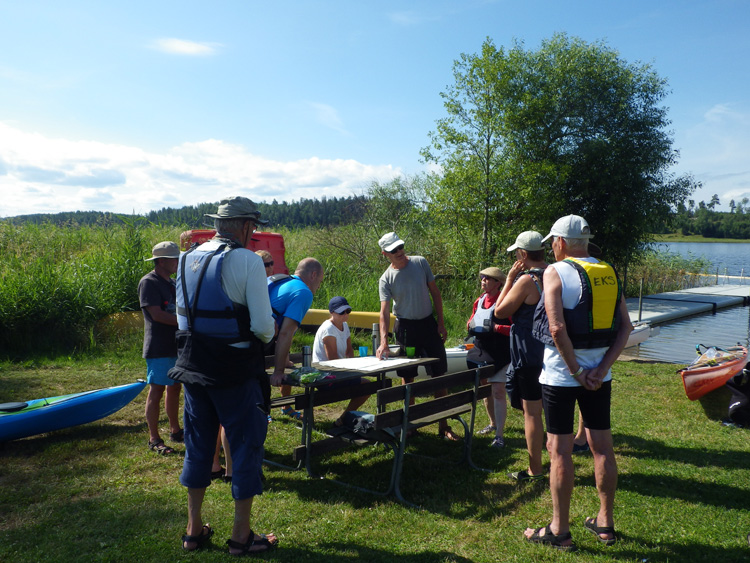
x: 364, y: 351
x: 410, y: 351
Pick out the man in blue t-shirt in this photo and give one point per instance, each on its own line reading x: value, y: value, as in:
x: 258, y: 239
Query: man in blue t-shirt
x: 291, y: 298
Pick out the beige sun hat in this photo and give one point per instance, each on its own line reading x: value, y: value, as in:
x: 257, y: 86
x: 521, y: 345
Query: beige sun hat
x: 166, y: 249
x: 528, y: 240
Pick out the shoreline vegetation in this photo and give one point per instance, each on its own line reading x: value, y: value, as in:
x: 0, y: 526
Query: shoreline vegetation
x: 677, y: 237
x: 59, y: 281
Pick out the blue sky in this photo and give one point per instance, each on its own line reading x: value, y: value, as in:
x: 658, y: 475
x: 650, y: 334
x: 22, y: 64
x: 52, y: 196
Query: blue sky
x: 133, y: 106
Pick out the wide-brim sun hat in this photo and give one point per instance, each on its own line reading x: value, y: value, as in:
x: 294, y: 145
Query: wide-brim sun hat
x: 493, y: 272
x: 529, y: 241
x: 570, y: 226
x: 166, y: 249
x: 237, y: 207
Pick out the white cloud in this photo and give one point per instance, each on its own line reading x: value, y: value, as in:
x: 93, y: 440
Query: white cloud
x: 328, y: 116
x: 183, y: 47
x: 39, y: 174
x: 716, y: 148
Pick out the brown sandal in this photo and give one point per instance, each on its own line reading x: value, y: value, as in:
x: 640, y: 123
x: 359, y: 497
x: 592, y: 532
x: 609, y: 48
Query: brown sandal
x: 448, y: 434
x: 246, y: 548
x: 160, y: 447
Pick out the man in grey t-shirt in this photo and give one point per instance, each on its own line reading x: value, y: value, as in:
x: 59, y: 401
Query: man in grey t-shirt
x: 409, y: 284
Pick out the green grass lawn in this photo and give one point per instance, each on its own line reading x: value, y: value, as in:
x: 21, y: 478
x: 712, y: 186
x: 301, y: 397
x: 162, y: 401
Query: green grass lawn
x: 96, y: 493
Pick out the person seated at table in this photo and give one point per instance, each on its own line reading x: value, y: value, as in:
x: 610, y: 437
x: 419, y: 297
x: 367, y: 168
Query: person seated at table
x: 333, y: 340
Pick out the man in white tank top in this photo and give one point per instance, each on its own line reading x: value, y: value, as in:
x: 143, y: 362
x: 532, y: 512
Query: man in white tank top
x: 581, y: 375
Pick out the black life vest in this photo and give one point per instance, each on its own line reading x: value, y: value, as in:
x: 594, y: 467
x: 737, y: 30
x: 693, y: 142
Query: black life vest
x: 595, y: 320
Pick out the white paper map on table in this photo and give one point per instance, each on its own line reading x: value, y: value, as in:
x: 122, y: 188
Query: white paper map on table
x: 368, y: 363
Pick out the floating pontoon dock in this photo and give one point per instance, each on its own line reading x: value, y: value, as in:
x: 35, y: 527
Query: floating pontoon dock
x: 663, y: 307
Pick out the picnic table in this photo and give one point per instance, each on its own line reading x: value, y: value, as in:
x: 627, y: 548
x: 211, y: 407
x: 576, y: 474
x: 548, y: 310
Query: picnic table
x: 322, y: 392
x: 391, y: 427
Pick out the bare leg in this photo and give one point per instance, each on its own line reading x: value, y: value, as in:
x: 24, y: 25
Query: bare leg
x: 561, y: 479
x: 580, y: 438
x: 153, y: 403
x: 534, y: 431
x: 443, y: 428
x: 172, y: 406
x: 241, y: 527
x: 605, y: 470
x: 195, y: 502
x: 500, y: 407
x: 489, y: 404
x: 216, y: 465
x: 227, y: 453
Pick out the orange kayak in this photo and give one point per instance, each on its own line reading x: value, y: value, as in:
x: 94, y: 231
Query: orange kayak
x: 712, y: 370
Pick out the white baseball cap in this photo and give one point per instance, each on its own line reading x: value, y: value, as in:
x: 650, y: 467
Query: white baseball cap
x: 570, y: 226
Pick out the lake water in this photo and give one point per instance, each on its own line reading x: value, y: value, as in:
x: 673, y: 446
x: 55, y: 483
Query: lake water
x: 734, y: 257
x: 676, y: 340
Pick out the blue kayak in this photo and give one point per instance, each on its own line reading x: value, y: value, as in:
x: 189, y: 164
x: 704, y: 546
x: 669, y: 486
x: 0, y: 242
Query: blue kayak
x: 28, y: 418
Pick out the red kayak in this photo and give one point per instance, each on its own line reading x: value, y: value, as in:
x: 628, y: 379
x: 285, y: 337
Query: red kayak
x: 712, y: 369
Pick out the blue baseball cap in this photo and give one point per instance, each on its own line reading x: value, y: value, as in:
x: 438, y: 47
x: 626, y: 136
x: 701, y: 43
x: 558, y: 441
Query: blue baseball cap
x: 338, y: 305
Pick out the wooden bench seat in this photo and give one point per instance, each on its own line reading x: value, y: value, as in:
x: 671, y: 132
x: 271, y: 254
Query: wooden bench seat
x: 391, y: 425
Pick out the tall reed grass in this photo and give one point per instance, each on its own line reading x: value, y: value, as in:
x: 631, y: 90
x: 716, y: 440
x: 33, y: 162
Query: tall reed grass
x: 57, y: 281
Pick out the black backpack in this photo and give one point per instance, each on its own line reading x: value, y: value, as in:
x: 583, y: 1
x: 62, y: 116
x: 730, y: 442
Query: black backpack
x: 739, y: 404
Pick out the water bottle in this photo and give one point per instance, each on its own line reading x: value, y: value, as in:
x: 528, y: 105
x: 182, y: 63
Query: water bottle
x: 375, y: 337
x: 306, y: 356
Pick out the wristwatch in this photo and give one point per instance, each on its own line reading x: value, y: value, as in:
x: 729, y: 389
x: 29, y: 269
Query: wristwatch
x: 578, y: 372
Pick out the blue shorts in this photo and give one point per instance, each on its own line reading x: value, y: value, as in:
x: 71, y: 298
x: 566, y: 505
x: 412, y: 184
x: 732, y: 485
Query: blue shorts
x: 157, y: 369
x: 239, y: 409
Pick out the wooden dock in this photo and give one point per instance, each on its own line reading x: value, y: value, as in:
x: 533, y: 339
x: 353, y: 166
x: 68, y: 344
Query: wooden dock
x: 663, y: 307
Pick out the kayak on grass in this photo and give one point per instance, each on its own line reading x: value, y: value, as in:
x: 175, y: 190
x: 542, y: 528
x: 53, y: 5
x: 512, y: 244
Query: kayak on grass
x: 28, y: 418
x: 712, y: 369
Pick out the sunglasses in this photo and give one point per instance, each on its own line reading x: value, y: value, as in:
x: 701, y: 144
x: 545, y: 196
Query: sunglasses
x: 268, y: 264
x: 399, y: 247
x: 345, y: 312
x: 487, y: 278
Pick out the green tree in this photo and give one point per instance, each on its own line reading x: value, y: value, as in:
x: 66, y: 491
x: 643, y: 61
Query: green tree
x: 472, y: 196
x: 568, y: 128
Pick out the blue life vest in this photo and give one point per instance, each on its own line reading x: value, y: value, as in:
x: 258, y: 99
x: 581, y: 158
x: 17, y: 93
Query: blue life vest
x: 595, y: 320
x: 213, y: 314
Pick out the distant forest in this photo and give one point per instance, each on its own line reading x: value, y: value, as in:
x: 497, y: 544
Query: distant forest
x: 702, y: 219
x: 690, y: 218
x: 303, y: 213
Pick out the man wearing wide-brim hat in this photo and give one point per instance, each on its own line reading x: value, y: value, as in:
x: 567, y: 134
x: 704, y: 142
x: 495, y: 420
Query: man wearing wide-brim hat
x: 224, y: 318
x: 156, y: 293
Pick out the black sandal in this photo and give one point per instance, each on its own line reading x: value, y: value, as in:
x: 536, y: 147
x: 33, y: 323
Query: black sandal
x: 590, y: 525
x: 178, y: 436
x: 247, y: 546
x: 199, y: 540
x: 160, y: 447
x: 551, y: 539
